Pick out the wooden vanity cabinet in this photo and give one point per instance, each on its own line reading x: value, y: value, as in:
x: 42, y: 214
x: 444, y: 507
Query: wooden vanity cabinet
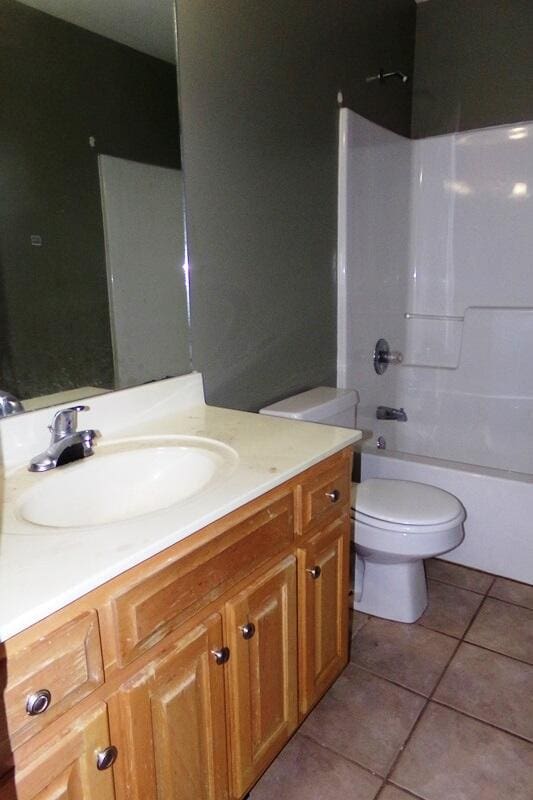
x: 65, y: 768
x: 168, y: 721
x: 198, y: 664
x: 262, y: 673
x: 323, y: 572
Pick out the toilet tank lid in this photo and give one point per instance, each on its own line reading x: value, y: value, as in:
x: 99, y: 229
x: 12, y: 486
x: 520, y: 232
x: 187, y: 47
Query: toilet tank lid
x: 315, y: 404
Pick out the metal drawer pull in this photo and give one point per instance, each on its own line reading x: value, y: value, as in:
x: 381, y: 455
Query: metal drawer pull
x: 315, y: 572
x: 221, y: 655
x: 334, y: 495
x: 248, y: 630
x: 106, y: 758
x: 38, y: 702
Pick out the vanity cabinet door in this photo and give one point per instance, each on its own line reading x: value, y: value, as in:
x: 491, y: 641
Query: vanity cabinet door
x: 262, y: 672
x: 323, y: 573
x: 65, y: 767
x: 170, y: 721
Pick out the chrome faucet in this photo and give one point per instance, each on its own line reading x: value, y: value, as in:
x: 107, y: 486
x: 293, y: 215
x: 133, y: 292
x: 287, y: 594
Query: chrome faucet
x: 67, y: 443
x: 9, y: 404
x: 385, y: 412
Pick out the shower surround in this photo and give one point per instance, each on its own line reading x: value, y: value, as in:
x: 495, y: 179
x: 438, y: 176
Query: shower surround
x: 435, y: 243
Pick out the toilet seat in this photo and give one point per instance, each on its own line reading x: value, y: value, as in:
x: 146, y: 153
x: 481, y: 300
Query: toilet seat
x: 405, y: 506
x: 396, y: 528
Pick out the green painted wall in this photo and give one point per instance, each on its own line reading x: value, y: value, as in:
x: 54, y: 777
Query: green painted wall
x: 258, y: 92
x: 473, y: 65
x: 59, y: 85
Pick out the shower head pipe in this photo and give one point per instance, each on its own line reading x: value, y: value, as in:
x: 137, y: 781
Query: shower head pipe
x: 382, y: 76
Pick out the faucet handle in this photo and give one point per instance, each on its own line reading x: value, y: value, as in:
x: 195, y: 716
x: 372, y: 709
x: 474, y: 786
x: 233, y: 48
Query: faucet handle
x: 65, y: 421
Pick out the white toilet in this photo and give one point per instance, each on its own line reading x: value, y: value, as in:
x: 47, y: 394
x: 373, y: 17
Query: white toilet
x: 396, y: 524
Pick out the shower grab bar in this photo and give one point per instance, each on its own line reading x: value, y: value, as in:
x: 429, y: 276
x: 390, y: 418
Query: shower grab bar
x: 443, y: 317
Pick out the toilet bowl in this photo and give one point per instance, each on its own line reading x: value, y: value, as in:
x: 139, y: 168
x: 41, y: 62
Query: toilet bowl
x: 396, y: 525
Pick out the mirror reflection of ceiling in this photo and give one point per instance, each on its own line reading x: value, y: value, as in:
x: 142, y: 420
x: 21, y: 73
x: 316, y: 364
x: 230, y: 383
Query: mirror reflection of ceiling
x: 145, y: 25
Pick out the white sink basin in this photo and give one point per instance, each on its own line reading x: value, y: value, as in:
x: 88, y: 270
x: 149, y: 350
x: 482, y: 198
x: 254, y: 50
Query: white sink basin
x: 126, y: 479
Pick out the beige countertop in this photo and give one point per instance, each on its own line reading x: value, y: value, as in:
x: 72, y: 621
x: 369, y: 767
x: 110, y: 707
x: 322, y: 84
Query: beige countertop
x: 42, y: 569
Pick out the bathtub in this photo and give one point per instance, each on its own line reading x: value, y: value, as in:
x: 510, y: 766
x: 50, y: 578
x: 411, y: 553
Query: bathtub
x: 499, y: 507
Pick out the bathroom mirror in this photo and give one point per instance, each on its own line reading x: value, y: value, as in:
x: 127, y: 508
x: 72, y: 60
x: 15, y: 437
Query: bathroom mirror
x: 93, y: 284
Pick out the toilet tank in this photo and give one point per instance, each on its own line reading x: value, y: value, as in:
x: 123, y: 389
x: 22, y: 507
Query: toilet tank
x: 323, y: 404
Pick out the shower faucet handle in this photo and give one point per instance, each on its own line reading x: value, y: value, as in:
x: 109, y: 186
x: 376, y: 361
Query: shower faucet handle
x: 393, y: 357
x: 383, y: 356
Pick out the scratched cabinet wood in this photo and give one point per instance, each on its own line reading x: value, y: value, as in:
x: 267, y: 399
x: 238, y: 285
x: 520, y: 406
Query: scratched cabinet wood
x: 262, y: 675
x: 168, y: 721
x: 66, y: 767
x: 323, y: 610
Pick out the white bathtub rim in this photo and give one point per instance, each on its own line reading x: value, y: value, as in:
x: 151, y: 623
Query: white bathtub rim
x: 446, y: 464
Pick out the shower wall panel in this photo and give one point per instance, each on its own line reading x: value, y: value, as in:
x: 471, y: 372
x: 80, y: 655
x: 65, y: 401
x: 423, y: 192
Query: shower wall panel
x: 436, y: 239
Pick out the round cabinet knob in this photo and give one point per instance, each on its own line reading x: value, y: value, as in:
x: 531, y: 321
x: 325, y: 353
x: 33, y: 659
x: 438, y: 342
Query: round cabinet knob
x: 248, y: 630
x: 315, y: 572
x: 106, y: 758
x: 38, y: 702
x: 334, y: 495
x: 221, y: 655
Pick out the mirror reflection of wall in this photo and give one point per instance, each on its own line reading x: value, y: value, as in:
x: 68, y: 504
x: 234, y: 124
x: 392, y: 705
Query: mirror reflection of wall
x: 70, y: 95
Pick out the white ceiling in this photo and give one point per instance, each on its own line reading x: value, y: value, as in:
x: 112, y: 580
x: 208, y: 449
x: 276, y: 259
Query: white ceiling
x: 145, y: 25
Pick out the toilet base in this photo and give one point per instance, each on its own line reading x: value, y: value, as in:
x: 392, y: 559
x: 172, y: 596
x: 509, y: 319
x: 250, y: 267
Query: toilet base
x: 393, y: 591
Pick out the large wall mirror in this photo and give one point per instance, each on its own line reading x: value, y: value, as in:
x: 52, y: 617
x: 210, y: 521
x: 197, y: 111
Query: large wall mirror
x: 93, y: 273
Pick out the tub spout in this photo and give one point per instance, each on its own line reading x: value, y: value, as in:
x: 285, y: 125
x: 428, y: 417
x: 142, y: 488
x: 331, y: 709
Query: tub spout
x: 385, y: 412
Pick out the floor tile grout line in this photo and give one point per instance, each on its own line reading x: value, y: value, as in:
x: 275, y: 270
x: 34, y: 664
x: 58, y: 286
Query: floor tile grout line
x: 408, y: 792
x: 420, y: 715
x: 475, y: 616
x: 413, y: 625
x: 401, y: 750
x: 430, y: 699
x: 395, y: 786
x: 342, y: 755
x: 468, y: 569
x: 438, y: 630
x: 485, y: 593
x: 451, y: 585
x: 479, y: 719
x: 352, y: 637
x: 395, y: 683
x: 496, y: 652
x: 485, y: 647
x: 507, y: 602
x: 456, y: 586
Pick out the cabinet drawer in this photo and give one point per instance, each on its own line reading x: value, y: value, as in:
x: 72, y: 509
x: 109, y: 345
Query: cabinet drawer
x: 326, y: 494
x: 66, y: 663
x: 160, y: 602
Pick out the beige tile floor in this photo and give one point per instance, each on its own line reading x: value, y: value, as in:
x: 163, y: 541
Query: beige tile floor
x: 438, y: 710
